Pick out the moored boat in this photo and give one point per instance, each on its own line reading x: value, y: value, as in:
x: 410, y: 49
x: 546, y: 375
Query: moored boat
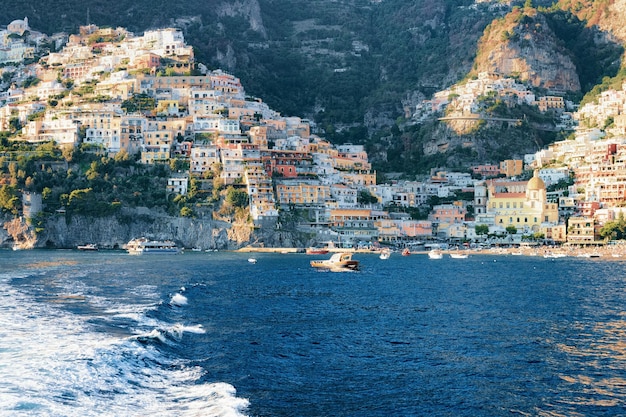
x: 435, y: 254
x: 385, y: 254
x: 406, y: 252
x: 88, y: 247
x: 338, y: 262
x: 142, y: 246
x: 316, y: 251
x: 456, y: 255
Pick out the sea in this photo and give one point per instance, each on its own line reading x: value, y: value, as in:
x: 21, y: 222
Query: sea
x: 212, y: 334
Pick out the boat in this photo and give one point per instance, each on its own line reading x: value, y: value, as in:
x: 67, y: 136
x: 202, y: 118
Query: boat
x: 142, y: 246
x: 338, y: 262
x: 435, y: 254
x: 88, y: 247
x: 385, y: 254
x: 406, y: 252
x: 459, y: 255
x: 316, y: 251
x: 554, y: 255
x: 252, y: 260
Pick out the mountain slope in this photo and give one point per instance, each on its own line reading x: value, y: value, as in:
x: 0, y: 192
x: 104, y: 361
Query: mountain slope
x: 359, y: 67
x: 523, y: 45
x: 341, y: 62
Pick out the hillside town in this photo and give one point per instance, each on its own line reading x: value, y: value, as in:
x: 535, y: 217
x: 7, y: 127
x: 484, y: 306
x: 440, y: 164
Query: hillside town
x: 464, y: 99
x: 146, y: 96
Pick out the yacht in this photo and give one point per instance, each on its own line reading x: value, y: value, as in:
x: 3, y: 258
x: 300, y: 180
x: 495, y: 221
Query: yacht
x: 338, y: 262
x: 142, y: 246
x: 435, y: 254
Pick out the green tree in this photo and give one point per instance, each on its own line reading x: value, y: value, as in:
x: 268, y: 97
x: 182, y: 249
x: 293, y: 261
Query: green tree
x: 481, y: 229
x: 9, y: 200
x: 511, y: 229
x: 237, y: 198
x: 139, y: 102
x: 82, y: 201
x: 615, y: 229
x: 14, y: 124
x: 365, y: 197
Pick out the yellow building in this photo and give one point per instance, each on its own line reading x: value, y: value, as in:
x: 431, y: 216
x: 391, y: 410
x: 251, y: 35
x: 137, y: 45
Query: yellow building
x: 300, y: 193
x: 527, y: 211
x: 580, y: 230
x: 167, y: 107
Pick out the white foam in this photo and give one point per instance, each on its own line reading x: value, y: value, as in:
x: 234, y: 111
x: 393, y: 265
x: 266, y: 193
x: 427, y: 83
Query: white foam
x: 178, y: 300
x: 53, y: 364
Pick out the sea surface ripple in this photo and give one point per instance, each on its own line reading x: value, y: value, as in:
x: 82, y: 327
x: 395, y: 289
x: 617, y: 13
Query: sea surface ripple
x: 210, y: 334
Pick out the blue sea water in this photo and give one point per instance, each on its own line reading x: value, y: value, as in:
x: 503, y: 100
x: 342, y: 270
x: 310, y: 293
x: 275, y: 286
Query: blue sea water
x: 210, y: 334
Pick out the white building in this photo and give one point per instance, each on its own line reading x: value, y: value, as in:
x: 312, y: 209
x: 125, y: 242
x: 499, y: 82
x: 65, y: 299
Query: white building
x: 178, y: 185
x: 553, y: 175
x: 203, y: 158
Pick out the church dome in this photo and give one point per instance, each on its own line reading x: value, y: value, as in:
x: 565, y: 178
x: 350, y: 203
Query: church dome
x: 18, y: 26
x: 536, y: 183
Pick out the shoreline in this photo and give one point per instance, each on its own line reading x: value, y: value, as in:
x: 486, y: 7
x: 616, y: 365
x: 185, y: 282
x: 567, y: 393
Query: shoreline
x: 607, y: 251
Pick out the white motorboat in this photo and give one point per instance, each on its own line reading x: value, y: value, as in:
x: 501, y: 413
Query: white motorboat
x: 143, y: 246
x: 435, y: 254
x: 338, y: 262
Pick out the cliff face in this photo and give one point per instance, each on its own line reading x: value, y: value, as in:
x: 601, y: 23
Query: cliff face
x: 523, y: 45
x: 608, y: 15
x: 113, y: 232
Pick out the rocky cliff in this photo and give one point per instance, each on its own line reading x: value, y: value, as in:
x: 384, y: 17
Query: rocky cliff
x: 522, y: 45
x: 608, y: 15
x: 61, y: 231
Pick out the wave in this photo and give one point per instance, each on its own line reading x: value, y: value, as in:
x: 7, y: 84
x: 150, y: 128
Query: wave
x: 54, y: 363
x: 174, y: 332
x: 178, y: 300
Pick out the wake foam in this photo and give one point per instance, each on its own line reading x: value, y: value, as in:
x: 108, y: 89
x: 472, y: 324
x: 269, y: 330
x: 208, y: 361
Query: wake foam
x: 169, y: 333
x: 53, y: 363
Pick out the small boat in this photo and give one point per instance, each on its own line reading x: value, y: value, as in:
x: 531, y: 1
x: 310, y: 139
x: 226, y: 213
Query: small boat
x: 316, y: 251
x: 252, y: 260
x: 435, y: 254
x: 406, y: 252
x: 385, y: 254
x: 142, y: 246
x: 554, y: 255
x: 88, y: 247
x: 338, y: 262
x: 459, y: 255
